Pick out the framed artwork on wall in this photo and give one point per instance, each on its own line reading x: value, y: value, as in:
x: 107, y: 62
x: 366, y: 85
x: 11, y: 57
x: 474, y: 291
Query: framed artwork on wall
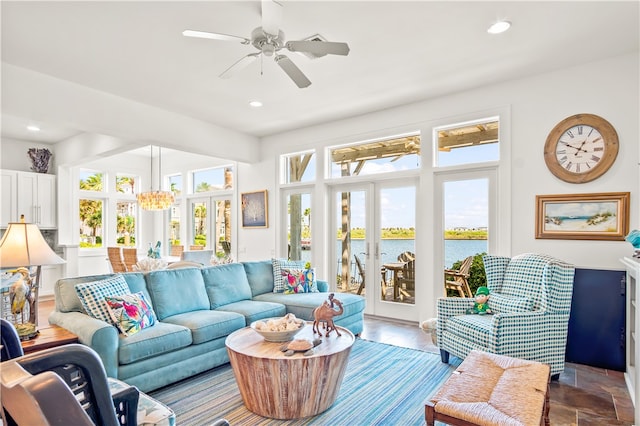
x: 255, y: 211
x: 598, y: 216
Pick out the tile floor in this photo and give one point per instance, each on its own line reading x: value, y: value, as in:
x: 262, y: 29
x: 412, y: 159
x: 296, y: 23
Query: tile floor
x: 582, y: 396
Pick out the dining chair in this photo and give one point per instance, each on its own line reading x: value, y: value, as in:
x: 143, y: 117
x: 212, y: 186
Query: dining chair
x: 177, y: 250
x: 130, y: 258
x: 115, y: 259
x: 458, y: 279
x: 196, y: 247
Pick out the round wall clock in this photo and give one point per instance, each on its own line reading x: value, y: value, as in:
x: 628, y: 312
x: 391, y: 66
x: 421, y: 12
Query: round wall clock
x: 581, y: 148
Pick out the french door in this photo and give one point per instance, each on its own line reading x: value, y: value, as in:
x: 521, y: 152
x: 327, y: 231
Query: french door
x: 374, y: 245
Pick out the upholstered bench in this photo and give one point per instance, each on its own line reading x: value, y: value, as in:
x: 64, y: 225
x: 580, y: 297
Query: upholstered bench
x: 488, y: 389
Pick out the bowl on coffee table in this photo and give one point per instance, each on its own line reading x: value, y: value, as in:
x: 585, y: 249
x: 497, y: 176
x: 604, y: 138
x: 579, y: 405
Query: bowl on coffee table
x: 277, y: 334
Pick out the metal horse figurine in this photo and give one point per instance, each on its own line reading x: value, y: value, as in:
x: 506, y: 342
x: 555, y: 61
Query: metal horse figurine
x: 325, y: 313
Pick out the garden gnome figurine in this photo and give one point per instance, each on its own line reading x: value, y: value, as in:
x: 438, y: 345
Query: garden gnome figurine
x: 480, y: 306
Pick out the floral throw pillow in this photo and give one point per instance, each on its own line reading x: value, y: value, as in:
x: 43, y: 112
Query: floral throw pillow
x: 278, y: 266
x: 130, y: 312
x: 299, y: 281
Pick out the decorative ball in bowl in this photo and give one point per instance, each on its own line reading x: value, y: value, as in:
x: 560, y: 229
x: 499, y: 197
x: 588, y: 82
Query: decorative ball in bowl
x: 278, y: 329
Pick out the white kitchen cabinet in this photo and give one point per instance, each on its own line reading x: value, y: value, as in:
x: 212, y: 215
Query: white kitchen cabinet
x: 37, y: 198
x: 9, y: 190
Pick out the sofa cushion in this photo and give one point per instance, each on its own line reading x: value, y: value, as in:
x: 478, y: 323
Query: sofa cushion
x: 130, y: 312
x: 501, y: 303
x: 159, y: 339
x: 137, y: 283
x: 303, y: 304
x: 208, y: 325
x: 278, y: 266
x: 92, y: 295
x: 226, y: 284
x: 260, y: 276
x: 253, y: 310
x: 176, y: 291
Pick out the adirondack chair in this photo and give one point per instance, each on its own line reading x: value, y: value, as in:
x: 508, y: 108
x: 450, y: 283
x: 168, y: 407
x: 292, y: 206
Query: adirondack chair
x: 458, y: 280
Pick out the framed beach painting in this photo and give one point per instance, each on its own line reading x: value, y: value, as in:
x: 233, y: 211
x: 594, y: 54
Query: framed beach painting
x: 255, y: 213
x: 599, y: 216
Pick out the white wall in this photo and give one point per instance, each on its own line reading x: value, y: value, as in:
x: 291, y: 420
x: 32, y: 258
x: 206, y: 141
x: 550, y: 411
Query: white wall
x: 13, y: 155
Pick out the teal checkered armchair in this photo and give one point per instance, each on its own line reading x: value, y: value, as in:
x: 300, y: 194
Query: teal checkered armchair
x: 531, y: 301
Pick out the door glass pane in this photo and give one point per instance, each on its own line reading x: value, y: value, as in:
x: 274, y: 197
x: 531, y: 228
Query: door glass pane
x: 299, y: 227
x: 397, y: 244
x: 174, y: 224
x: 350, y: 241
x: 466, y: 216
x: 222, y: 227
x: 199, y: 220
x: 90, y: 223
x: 126, y: 225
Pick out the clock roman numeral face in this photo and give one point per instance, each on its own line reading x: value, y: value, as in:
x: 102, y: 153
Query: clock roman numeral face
x: 580, y: 148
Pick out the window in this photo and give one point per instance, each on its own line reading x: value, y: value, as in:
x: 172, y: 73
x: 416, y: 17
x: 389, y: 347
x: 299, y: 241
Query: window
x: 126, y: 184
x: 175, y: 185
x: 467, y: 143
x: 220, y: 178
x: 383, y: 156
x: 126, y: 223
x: 91, y: 213
x: 91, y: 181
x: 300, y: 167
x: 299, y: 226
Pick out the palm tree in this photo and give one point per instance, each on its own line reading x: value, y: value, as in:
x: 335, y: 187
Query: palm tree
x: 93, y: 183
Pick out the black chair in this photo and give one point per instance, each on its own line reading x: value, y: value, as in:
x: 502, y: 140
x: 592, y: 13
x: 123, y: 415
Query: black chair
x: 11, y: 347
x: 80, y: 380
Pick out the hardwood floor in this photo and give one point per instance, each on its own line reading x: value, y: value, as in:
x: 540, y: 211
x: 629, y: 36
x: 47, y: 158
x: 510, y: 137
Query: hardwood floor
x: 583, y: 395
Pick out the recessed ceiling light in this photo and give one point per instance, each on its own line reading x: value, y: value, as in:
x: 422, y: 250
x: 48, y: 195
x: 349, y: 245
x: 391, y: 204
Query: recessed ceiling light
x: 33, y: 128
x: 499, y: 27
x: 255, y: 104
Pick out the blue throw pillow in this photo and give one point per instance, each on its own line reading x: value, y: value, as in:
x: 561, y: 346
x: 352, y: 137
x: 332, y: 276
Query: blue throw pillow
x: 92, y: 294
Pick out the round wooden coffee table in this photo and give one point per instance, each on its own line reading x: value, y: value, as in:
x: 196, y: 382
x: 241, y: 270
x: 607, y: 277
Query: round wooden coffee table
x: 288, y: 387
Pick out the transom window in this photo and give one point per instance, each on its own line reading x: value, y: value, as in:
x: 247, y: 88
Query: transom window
x: 467, y: 143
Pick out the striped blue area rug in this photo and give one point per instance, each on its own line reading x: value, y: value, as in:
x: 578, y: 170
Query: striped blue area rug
x: 383, y: 385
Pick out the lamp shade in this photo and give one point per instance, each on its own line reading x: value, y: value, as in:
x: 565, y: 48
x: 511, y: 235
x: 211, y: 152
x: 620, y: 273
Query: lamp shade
x: 23, y: 245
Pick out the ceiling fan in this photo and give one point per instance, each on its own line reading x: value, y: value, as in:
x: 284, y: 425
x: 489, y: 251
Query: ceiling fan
x: 270, y: 40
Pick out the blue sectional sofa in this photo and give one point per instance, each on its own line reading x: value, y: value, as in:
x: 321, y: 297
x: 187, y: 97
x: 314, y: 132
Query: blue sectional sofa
x: 196, y: 309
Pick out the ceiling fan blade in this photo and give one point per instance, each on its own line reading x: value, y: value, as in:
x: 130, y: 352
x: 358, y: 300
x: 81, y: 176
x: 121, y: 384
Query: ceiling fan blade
x: 292, y: 71
x: 240, y: 64
x: 318, y: 48
x: 215, y: 36
x: 271, y: 17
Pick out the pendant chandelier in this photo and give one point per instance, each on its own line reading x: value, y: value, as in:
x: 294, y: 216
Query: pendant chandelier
x: 156, y: 200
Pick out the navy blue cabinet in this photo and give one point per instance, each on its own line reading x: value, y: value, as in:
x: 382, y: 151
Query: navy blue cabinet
x: 596, y: 333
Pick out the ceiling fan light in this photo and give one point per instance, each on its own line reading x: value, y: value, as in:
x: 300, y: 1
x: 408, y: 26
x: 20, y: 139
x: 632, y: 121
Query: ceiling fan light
x: 268, y: 49
x: 499, y: 27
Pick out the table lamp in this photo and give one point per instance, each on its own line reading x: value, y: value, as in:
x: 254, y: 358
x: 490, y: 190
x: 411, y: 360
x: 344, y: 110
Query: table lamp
x: 23, y: 246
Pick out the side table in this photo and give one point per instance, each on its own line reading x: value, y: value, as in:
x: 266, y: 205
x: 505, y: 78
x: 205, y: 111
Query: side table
x: 49, y: 337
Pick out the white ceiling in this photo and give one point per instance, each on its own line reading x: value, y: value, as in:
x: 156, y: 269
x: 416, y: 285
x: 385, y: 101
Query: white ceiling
x: 400, y: 52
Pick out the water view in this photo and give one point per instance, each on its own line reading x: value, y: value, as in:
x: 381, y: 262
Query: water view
x: 390, y: 249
